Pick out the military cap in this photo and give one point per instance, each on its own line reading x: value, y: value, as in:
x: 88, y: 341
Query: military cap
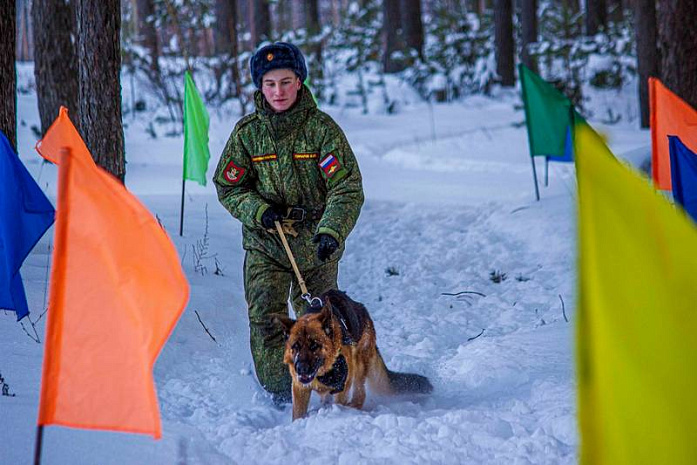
x: 278, y: 55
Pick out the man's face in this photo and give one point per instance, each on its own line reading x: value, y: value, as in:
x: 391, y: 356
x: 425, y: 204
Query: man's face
x: 280, y: 87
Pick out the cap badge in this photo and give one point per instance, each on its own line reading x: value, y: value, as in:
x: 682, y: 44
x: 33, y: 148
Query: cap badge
x: 269, y: 57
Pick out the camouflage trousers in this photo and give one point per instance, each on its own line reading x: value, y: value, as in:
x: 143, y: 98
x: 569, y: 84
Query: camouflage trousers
x: 267, y: 287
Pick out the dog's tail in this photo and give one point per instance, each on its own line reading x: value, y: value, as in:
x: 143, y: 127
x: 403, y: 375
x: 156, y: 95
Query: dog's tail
x: 383, y: 381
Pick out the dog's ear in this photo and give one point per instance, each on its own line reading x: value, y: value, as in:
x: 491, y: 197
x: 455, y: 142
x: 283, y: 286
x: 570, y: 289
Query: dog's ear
x: 326, y: 317
x: 285, y: 321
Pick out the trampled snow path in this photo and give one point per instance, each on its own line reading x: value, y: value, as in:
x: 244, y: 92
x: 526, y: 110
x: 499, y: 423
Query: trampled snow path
x: 443, y: 215
x: 504, y: 396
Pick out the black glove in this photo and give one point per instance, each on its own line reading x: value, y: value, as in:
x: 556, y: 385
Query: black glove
x: 270, y: 216
x: 327, y: 246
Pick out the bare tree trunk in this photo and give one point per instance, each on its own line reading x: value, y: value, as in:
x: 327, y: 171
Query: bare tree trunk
x: 337, y: 12
x: 648, y: 58
x: 615, y: 11
x: 99, y: 58
x: 412, y: 25
x: 284, y: 12
x: 55, y: 59
x: 225, y: 25
x: 312, y: 16
x: 227, y: 44
x: 528, y: 19
x: 678, y: 42
x: 503, y: 25
x: 8, y: 83
x: 297, y: 14
x: 25, y: 50
x: 260, y: 21
x: 316, y: 65
x: 147, y: 34
x: 392, y: 30
x: 596, y: 16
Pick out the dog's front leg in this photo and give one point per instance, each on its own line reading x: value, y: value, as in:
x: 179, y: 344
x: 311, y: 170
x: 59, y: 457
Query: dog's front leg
x: 327, y: 398
x: 359, y: 374
x: 301, y: 399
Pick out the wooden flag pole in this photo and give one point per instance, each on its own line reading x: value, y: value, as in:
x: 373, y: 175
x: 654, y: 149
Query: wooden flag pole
x: 181, y: 213
x: 534, y: 177
x: 38, y: 446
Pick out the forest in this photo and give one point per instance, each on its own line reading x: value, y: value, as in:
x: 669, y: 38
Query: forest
x: 358, y: 52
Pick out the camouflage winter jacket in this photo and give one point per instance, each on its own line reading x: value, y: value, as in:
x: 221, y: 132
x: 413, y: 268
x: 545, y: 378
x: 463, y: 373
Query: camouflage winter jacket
x: 296, y: 158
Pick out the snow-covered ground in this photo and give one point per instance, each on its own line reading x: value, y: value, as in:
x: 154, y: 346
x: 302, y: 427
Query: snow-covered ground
x: 449, y: 200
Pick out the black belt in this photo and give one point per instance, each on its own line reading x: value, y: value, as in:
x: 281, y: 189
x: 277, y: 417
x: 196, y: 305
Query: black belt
x: 300, y: 214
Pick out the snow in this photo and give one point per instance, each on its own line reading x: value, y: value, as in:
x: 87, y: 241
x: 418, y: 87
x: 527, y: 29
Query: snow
x: 449, y: 200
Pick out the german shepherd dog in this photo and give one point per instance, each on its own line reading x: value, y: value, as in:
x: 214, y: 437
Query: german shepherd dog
x: 333, y: 350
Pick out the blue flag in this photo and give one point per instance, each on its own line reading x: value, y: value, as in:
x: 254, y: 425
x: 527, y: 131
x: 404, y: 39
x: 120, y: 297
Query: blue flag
x: 683, y: 171
x: 25, y: 215
x: 568, y: 148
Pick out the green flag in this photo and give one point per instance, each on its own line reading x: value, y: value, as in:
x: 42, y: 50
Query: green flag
x: 307, y: 84
x: 548, y: 115
x: 196, y: 154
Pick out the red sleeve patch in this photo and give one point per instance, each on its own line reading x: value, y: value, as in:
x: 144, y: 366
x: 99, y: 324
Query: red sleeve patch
x: 330, y: 165
x: 233, y: 173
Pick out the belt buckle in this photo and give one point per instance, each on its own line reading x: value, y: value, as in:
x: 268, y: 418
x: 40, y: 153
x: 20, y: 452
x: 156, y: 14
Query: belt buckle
x: 296, y: 214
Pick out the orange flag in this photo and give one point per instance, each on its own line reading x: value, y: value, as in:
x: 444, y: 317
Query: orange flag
x: 670, y: 116
x: 117, y: 290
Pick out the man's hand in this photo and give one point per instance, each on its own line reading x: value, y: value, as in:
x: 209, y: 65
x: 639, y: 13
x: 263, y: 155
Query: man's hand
x: 270, y: 216
x: 327, y: 246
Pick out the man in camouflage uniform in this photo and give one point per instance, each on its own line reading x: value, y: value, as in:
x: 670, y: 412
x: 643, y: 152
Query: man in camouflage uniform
x: 286, y: 154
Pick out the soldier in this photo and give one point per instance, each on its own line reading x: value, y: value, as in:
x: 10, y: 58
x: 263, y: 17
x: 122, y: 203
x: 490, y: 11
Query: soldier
x: 287, y: 160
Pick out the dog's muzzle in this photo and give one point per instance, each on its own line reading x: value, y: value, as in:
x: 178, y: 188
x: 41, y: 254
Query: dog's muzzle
x: 307, y: 371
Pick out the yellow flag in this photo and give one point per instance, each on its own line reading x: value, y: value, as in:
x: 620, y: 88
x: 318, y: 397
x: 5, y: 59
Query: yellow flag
x: 637, y: 317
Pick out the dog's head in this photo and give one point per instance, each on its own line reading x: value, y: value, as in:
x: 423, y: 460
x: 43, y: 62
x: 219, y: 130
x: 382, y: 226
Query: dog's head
x: 311, y: 345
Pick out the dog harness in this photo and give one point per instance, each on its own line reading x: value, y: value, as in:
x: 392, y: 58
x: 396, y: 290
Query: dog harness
x: 349, y: 322
x: 336, y: 377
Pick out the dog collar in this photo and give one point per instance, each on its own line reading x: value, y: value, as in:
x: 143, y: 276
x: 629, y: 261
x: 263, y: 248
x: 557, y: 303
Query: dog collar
x: 336, y: 377
x: 347, y: 338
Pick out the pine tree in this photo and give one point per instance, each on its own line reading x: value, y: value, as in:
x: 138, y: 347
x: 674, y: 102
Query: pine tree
x: 412, y: 25
x: 648, y: 58
x: 528, y: 19
x: 260, y: 21
x: 503, y: 19
x: 147, y: 33
x: 55, y: 59
x: 678, y: 41
x: 8, y: 83
x: 392, y: 29
x: 99, y: 64
x: 596, y: 16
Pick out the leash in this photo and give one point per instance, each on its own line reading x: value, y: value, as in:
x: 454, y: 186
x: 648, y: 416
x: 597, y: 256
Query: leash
x: 315, y: 302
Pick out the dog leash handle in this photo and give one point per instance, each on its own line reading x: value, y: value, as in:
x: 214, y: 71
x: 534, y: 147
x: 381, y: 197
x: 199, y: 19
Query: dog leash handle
x: 301, y: 281
x: 315, y: 302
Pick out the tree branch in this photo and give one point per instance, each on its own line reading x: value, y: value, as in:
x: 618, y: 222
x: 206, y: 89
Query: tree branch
x: 563, y: 310
x: 204, y: 326
x: 464, y: 292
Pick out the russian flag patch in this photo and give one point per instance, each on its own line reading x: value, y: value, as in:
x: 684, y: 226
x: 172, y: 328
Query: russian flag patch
x: 330, y: 165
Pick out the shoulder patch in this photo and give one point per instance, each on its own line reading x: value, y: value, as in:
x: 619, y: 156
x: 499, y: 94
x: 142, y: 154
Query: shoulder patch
x: 233, y: 173
x: 330, y: 165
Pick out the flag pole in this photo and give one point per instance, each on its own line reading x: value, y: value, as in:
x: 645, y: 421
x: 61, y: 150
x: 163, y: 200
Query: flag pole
x: 181, y: 214
x: 534, y: 177
x: 527, y: 126
x: 38, y: 445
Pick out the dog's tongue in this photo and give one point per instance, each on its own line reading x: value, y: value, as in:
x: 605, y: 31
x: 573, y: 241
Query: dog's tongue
x: 305, y: 379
